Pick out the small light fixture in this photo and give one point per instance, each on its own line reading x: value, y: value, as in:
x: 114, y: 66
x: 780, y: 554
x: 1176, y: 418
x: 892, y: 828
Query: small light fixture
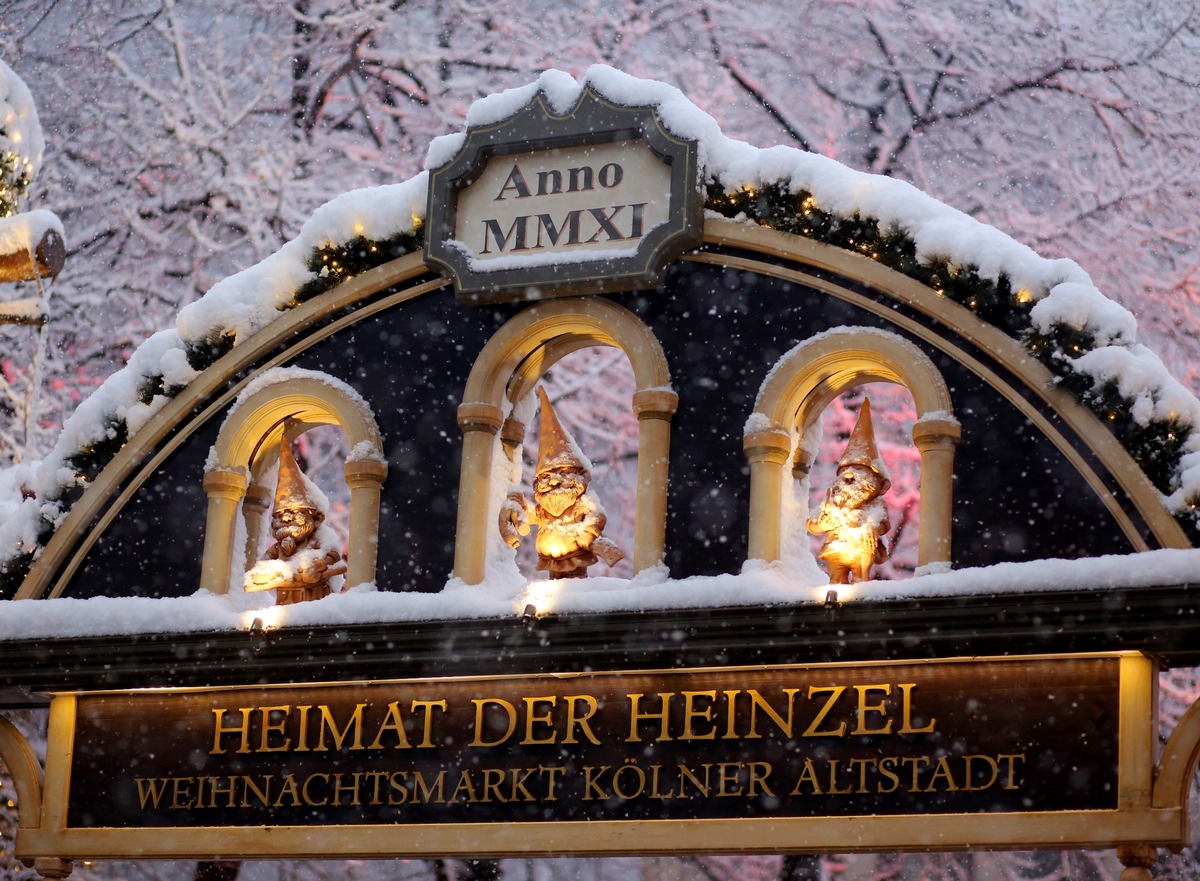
x: 258, y: 635
x: 529, y: 619
x: 833, y: 608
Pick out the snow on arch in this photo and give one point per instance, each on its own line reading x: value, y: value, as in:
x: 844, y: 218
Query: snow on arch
x: 245, y: 303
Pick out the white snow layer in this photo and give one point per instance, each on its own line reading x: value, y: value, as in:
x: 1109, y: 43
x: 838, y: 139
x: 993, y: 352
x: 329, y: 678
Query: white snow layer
x: 23, y: 232
x: 788, y: 582
x: 247, y: 302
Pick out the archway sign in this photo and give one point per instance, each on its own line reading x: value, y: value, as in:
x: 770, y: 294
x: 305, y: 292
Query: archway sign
x: 270, y: 692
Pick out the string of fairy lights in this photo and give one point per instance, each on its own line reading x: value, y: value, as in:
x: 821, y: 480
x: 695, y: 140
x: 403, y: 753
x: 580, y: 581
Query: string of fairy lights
x: 1156, y: 445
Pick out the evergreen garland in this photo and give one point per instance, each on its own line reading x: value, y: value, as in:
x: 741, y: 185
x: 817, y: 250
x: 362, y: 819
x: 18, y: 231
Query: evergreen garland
x: 1156, y: 446
x: 331, y: 264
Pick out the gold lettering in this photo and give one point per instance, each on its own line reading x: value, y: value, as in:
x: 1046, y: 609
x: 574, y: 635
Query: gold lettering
x: 242, y: 729
x: 758, y: 703
x: 302, y: 746
x: 686, y: 775
x: 885, y: 768
x: 376, y: 777
x: 759, y: 772
x: 552, y: 773
x: 423, y: 792
x: 663, y: 717
x: 863, y: 764
x: 574, y: 720
x: 214, y: 791
x: 181, y: 792
x: 394, y: 723
x: 808, y: 775
x: 492, y: 780
x: 289, y: 788
x: 308, y: 799
x: 690, y: 714
x: 834, y: 691
x: 398, y: 780
x: 465, y: 785
x: 263, y: 795
x: 728, y: 776
x: 731, y: 715
x: 864, y: 708
x: 150, y: 788
x: 968, y: 773
x: 427, y: 725
x: 480, y: 703
x: 328, y: 723
x: 1011, y: 758
x: 269, y: 728
x: 547, y: 719
x: 655, y: 770
x: 338, y: 788
x: 591, y: 782
x: 519, y: 776
x: 943, y: 771
x: 833, y: 773
x: 915, y: 763
x: 638, y: 782
x: 906, y: 690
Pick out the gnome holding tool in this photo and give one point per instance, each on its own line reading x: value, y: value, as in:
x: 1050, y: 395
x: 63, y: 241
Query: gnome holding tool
x: 570, y: 521
x: 854, y: 517
x: 305, y: 556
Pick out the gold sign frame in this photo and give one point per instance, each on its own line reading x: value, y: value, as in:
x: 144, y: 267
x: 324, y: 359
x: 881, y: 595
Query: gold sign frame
x: 1138, y: 818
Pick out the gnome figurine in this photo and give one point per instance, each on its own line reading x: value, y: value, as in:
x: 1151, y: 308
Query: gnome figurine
x: 569, y: 520
x: 853, y: 516
x: 305, y: 554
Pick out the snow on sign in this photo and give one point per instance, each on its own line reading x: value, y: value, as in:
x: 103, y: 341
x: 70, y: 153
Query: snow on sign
x: 1052, y: 749
x: 539, y: 203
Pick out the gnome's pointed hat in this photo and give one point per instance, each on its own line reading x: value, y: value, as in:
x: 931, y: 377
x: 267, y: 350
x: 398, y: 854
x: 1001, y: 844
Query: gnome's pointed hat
x: 556, y: 448
x: 861, y: 449
x: 290, y: 491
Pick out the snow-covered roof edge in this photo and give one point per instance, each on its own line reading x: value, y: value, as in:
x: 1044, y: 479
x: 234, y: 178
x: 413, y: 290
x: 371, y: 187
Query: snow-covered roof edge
x: 1051, y: 306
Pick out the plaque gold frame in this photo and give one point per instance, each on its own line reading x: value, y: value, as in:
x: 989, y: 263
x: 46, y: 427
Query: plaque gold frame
x: 1151, y: 811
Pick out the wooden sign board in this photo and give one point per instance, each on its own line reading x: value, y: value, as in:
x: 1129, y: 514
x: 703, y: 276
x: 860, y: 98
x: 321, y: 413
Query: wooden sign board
x: 599, y: 199
x: 1052, y: 751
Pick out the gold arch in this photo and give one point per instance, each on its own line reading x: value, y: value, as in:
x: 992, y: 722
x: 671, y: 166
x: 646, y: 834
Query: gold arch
x: 26, y: 773
x: 803, y: 255
x: 800, y: 386
x: 508, y: 367
x: 250, y: 437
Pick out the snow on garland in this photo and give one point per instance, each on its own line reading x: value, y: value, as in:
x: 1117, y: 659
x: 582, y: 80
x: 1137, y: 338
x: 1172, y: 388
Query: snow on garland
x: 21, y: 141
x: 1049, y: 306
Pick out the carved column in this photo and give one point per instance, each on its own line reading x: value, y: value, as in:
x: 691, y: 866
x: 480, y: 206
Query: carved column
x: 365, y: 478
x: 936, y: 439
x: 1138, y: 860
x: 225, y: 488
x: 254, y: 505
x: 512, y: 435
x: 479, y: 423
x: 52, y: 867
x: 767, y: 452
x: 654, y: 409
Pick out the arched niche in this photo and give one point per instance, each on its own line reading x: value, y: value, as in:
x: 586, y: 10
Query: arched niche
x: 249, y: 442
x: 509, y: 366
x: 798, y: 389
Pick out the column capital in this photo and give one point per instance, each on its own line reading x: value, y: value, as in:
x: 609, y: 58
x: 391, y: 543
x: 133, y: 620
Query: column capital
x: 772, y: 445
x: 364, y: 472
x: 480, y: 416
x: 655, y: 403
x: 226, y: 483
